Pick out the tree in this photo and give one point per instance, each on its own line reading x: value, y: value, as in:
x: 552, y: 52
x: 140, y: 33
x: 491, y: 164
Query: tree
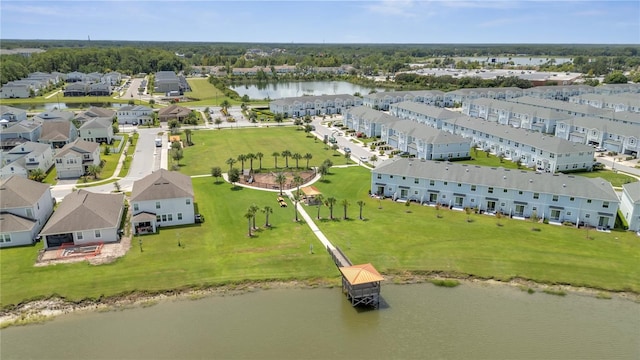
x: 174, y: 125
x: 297, y: 181
x: 335, y: 147
x: 177, y: 155
x: 296, y: 157
x: 361, y: 205
x: 218, y: 121
x: 250, y: 157
x: 347, y: 156
x: 259, y: 155
x: 275, y: 158
x: 373, y: 158
x: 242, y: 158
x: 281, y: 179
x: 249, y: 216
x: 616, y: 77
x: 37, y: 175
x: 254, y: 210
x: 216, y: 172
x: 267, y: 210
x: 467, y: 210
x: 94, y: 170
x: 230, y: 162
x: 320, y: 200
x: 187, y: 133
x: 329, y: 202
x: 286, y: 154
x: 117, y: 186
x: 307, y: 157
x: 234, y: 176
x: 225, y: 105
x: 278, y: 119
x: 345, y: 204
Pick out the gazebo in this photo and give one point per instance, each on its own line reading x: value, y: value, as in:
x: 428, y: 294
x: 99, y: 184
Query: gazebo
x: 310, y: 195
x: 361, y: 283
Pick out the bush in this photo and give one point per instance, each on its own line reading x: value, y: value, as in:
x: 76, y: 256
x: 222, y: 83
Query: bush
x: 445, y: 283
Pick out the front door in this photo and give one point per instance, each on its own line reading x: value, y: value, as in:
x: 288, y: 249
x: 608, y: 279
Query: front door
x: 404, y: 193
x: 603, y: 221
x: 433, y: 197
x: 491, y: 206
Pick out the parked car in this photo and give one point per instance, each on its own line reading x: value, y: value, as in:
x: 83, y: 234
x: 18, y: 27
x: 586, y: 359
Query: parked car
x: 347, y: 150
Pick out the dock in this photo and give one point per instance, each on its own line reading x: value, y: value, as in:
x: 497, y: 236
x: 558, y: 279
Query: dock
x: 361, y: 283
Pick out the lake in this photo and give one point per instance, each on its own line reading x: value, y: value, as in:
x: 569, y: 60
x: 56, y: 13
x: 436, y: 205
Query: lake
x: 419, y: 321
x: 280, y: 90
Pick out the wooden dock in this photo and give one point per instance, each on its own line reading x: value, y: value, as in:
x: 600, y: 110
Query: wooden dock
x: 361, y: 283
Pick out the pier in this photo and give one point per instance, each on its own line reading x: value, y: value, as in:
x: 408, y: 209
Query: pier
x: 361, y: 283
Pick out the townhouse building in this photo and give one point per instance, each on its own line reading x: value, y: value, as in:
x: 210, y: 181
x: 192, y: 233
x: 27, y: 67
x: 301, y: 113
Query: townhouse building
x: 166, y: 81
x: 514, y: 114
x: 383, y: 100
x: 610, y: 89
x: 422, y: 113
x: 13, y: 90
x: 458, y: 97
x: 609, y: 135
x: 424, y: 141
x: 314, y: 105
x: 630, y: 205
x: 367, y: 121
x: 618, y: 102
x: 557, y: 92
x: 558, y: 198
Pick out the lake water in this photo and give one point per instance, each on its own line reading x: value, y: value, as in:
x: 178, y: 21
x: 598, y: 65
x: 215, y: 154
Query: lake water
x: 420, y: 321
x: 299, y: 88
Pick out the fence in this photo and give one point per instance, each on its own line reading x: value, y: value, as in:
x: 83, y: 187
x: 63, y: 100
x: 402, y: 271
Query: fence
x: 119, y: 138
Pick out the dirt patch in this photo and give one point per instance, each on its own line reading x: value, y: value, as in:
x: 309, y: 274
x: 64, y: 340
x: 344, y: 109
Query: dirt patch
x: 109, y: 253
x: 267, y: 180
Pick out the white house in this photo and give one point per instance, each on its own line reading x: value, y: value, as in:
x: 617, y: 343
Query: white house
x: 612, y: 136
x: 84, y: 218
x: 630, y: 205
x: 422, y: 113
x: 26, y: 157
x: 25, y: 206
x: 558, y: 198
x: 98, y: 130
x: 163, y: 198
x: 15, y: 91
x: 314, y: 105
x: 383, y: 100
x: 617, y: 102
x: 134, y: 114
x: 12, y: 114
x: 73, y: 160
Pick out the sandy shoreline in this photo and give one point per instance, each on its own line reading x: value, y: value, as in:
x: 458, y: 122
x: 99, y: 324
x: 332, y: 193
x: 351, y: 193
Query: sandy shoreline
x: 42, y: 310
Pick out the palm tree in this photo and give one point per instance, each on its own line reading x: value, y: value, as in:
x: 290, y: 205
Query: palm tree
x: 225, y: 104
x: 329, y: 202
x: 281, y: 179
x: 242, y: 158
x: 94, y: 170
x: 254, y: 210
x: 296, y: 199
x: 308, y: 157
x: 259, y: 155
x: 187, y: 133
x: 320, y: 200
x: 230, y: 162
x: 373, y: 158
x: 267, y: 210
x: 286, y: 154
x: 275, y: 157
x: 37, y: 175
x: 250, y: 157
x: 361, y: 205
x: 218, y: 121
x: 297, y: 181
x: 248, y: 215
x: 296, y: 157
x: 345, y: 204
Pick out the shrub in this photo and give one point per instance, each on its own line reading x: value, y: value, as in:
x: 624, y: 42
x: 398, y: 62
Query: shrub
x: 445, y: 282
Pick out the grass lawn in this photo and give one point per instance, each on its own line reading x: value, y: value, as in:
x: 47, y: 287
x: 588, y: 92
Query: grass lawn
x: 483, y: 158
x: 615, y: 178
x: 201, y: 89
x: 214, y: 147
x: 217, y: 252
x: 395, y: 240
x: 124, y: 170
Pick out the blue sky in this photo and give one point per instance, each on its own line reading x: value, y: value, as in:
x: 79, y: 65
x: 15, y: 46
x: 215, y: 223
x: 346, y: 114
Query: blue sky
x: 302, y: 21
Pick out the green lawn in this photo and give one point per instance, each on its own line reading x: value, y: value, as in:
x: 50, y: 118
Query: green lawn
x: 201, y: 89
x: 395, y: 240
x: 483, y: 158
x: 615, y: 178
x: 214, y: 147
x: 217, y: 252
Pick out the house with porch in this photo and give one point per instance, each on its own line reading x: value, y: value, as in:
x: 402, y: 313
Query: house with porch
x: 134, y: 114
x: 58, y: 133
x: 13, y: 90
x: 99, y: 89
x: 84, y: 218
x: 559, y: 198
x: 76, y: 89
x: 27, y: 130
x: 73, y: 160
x: 26, y: 157
x: 25, y: 206
x: 99, y: 130
x: 163, y: 198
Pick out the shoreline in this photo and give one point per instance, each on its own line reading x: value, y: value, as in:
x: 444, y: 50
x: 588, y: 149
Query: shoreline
x: 39, y: 311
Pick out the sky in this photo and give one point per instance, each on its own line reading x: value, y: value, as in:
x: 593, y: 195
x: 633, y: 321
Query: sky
x: 327, y: 21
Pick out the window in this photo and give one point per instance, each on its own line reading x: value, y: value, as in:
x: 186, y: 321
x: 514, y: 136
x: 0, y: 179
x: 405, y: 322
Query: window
x: 135, y: 207
x: 554, y: 198
x: 432, y: 182
x: 157, y: 204
x: 164, y: 217
x: 170, y: 217
x: 490, y: 190
x: 404, y: 178
x: 536, y: 195
x: 379, y: 176
x: 588, y: 201
x: 445, y: 183
x: 179, y: 216
x: 571, y: 199
x: 473, y: 188
x: 158, y: 219
x: 504, y: 190
x: 459, y: 185
x: 5, y: 238
x: 79, y: 235
x: 520, y: 192
x: 605, y: 204
x: 98, y: 234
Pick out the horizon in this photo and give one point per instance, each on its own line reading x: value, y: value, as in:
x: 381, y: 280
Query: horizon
x: 390, y: 22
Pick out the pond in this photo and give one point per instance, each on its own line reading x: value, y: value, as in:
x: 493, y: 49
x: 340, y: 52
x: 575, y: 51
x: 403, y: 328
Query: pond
x: 280, y: 90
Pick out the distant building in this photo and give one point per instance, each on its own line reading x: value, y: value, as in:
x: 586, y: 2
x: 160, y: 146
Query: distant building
x: 166, y: 81
x: 314, y: 105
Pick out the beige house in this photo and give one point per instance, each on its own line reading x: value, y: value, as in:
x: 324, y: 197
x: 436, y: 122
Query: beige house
x: 173, y: 112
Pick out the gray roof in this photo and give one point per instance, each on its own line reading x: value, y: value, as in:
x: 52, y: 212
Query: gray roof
x: 545, y: 113
x: 56, y: 130
x: 162, y: 184
x: 467, y: 91
x: 528, y: 137
x: 413, y: 93
x: 83, y: 210
x: 621, y: 98
x: 427, y: 110
x: 372, y: 115
x: 560, y: 184
x: 78, y: 146
x: 24, y: 126
x: 13, y: 223
x: 559, y: 105
x: 19, y: 192
x: 55, y: 115
x: 95, y: 111
x: 29, y: 147
x: 134, y: 108
x: 427, y: 133
x: 4, y: 109
x: 97, y: 123
x: 304, y: 99
x: 633, y: 189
